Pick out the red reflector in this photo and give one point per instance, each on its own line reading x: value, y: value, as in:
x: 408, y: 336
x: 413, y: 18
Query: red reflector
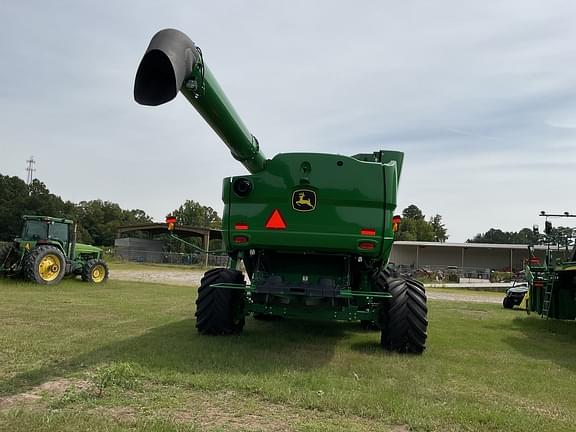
x: 396, y: 223
x: 170, y: 219
x: 240, y: 239
x: 534, y: 260
x: 367, y: 232
x: 276, y: 221
x: 241, y: 226
x: 366, y: 245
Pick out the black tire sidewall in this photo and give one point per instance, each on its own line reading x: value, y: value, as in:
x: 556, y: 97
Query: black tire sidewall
x: 35, y: 256
x: 404, y: 317
x: 217, y: 308
x: 89, y: 266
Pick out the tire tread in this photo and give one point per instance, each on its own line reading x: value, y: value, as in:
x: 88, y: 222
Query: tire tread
x: 215, y: 307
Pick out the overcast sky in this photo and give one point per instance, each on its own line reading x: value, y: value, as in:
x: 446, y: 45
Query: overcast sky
x: 481, y: 96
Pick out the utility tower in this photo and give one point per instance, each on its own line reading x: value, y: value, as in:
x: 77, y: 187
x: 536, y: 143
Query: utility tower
x: 30, y: 167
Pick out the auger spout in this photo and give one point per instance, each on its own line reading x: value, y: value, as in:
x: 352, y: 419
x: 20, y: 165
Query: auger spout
x: 173, y: 63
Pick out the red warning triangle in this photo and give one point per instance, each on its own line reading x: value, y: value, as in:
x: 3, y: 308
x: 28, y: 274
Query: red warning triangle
x: 276, y: 221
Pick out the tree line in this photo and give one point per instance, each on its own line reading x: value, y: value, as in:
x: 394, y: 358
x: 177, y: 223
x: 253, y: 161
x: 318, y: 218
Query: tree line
x: 559, y: 235
x: 415, y: 227
x: 97, y: 220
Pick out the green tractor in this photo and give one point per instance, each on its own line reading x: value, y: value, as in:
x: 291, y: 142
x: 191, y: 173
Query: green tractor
x: 47, y: 251
x: 312, y: 232
x: 552, y: 283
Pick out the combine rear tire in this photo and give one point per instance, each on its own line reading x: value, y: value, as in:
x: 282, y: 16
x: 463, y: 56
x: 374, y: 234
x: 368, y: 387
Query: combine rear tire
x: 220, y: 311
x: 405, y: 317
x: 95, y: 271
x: 45, y: 265
x: 379, y: 284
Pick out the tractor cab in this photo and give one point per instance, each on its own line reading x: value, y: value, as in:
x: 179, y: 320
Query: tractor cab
x: 47, y: 230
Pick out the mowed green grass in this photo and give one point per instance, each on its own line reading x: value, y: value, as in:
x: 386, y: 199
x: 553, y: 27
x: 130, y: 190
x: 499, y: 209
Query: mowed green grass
x: 126, y: 356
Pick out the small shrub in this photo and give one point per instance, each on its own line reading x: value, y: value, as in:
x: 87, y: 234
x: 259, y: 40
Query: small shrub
x: 121, y: 375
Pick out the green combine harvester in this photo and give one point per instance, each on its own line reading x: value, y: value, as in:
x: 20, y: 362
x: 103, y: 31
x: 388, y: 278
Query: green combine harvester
x: 312, y: 231
x: 47, y: 251
x: 552, y: 283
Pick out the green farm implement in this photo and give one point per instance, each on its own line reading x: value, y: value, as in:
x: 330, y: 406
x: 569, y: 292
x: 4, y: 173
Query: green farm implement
x: 313, y: 232
x: 47, y: 251
x: 552, y: 283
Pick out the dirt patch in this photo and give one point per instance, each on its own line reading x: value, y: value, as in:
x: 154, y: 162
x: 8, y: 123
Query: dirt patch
x: 35, y: 396
x: 120, y: 414
x: 186, y: 278
x: 231, y: 411
x: 208, y: 411
x: 219, y: 410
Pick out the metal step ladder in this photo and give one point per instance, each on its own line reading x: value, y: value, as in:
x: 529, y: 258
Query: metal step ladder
x: 548, y: 290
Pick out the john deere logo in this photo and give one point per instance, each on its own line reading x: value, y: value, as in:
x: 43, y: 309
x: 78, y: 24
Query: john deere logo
x: 304, y: 200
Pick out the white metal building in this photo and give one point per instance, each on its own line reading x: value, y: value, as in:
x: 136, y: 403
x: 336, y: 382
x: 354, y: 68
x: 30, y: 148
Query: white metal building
x: 499, y: 257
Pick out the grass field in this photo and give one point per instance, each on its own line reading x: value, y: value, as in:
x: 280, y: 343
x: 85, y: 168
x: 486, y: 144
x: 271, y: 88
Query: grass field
x: 125, y: 356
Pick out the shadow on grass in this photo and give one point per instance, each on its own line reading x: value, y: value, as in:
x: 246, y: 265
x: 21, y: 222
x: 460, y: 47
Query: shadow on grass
x: 542, y: 339
x: 177, y: 348
x: 369, y: 347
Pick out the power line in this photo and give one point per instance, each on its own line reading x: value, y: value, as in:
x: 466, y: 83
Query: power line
x: 30, y: 167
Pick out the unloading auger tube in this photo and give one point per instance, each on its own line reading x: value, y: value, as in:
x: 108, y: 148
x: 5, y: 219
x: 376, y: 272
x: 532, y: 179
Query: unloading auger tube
x: 172, y: 63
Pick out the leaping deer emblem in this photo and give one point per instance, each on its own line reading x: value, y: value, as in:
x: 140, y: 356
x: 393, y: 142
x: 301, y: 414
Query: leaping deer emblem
x: 303, y: 201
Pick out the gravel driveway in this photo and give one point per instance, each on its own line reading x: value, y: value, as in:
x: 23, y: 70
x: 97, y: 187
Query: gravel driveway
x: 192, y: 278
x: 183, y: 277
x: 464, y: 297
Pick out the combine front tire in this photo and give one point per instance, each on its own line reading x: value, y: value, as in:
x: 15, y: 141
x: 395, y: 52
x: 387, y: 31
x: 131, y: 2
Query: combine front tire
x: 405, y: 317
x: 95, y: 271
x: 45, y: 265
x: 219, y: 311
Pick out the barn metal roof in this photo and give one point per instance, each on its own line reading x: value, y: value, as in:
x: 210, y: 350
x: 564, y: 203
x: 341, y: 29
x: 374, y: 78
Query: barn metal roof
x: 468, y: 245
x: 162, y: 228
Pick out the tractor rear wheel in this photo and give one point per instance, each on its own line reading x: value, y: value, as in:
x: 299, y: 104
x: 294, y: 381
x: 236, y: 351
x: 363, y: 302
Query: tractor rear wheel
x: 45, y: 265
x: 95, y: 271
x: 220, y: 311
x: 8, y: 257
x: 404, y: 318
